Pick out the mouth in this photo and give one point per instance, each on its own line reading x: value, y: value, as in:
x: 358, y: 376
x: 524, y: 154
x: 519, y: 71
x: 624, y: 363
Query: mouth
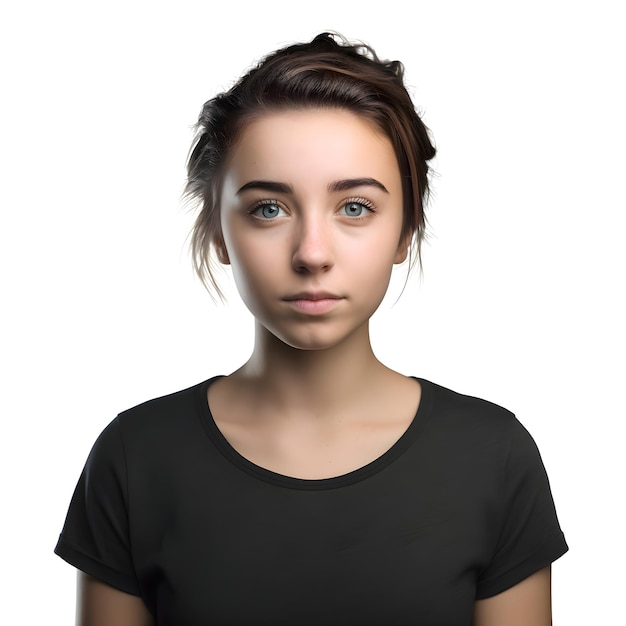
x: 314, y: 302
x: 313, y: 296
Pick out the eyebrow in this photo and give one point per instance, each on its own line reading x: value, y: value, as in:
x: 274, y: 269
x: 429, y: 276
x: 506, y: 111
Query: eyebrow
x: 337, y: 185
x: 267, y: 185
x: 351, y: 183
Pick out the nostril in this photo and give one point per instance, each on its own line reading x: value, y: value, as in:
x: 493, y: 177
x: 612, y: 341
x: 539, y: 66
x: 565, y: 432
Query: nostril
x: 309, y: 265
x: 312, y: 255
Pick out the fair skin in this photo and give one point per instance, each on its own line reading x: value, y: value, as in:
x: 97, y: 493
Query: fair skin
x: 311, y: 214
x: 298, y: 224
x: 98, y: 604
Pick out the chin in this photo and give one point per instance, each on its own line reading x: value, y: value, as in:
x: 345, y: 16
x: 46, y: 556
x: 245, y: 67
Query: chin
x: 307, y: 343
x: 315, y: 338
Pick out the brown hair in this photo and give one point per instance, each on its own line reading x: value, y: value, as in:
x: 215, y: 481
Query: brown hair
x: 327, y: 72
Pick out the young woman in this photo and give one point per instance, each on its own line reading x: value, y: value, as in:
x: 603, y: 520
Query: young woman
x: 313, y: 485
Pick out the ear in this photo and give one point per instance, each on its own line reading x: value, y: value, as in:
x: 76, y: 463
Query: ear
x: 221, y: 251
x: 403, y: 249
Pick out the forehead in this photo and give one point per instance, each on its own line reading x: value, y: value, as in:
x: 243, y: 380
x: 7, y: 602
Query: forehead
x: 311, y: 144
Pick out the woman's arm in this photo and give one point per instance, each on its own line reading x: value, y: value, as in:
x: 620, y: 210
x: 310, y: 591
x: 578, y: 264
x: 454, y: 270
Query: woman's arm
x: 526, y: 604
x: 98, y: 604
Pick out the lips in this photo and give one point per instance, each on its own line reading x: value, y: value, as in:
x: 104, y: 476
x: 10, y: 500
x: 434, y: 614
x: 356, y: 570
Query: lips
x: 314, y: 302
x: 313, y: 295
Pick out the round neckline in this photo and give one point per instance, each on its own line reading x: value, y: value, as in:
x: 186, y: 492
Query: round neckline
x: 314, y: 484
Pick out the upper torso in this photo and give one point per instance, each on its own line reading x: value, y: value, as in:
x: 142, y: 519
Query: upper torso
x: 205, y: 535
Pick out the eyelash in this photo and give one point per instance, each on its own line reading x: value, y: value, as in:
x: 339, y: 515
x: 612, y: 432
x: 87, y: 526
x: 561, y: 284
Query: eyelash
x: 366, y: 204
x: 260, y: 205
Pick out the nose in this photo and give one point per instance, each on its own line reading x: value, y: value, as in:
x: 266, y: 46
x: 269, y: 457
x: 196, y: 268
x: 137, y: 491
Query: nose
x: 312, y: 246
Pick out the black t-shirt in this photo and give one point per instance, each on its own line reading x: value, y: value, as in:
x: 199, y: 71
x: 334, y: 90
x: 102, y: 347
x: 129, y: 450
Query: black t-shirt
x: 458, y: 509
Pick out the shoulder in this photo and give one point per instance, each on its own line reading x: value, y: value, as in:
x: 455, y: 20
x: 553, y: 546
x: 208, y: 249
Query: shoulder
x: 460, y: 401
x: 451, y: 406
x: 164, y: 411
x: 166, y: 403
x: 476, y: 426
x: 153, y: 439
x: 154, y: 425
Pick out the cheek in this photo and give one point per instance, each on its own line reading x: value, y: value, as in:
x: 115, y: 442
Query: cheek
x: 378, y: 251
x: 254, y: 267
x: 370, y: 269
x: 243, y: 267
x: 377, y: 276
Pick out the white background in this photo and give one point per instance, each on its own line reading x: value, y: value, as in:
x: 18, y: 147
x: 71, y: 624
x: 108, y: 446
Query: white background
x: 522, y: 296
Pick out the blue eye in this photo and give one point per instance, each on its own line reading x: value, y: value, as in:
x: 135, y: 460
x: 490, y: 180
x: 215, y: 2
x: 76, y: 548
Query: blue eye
x: 267, y: 210
x: 355, y: 209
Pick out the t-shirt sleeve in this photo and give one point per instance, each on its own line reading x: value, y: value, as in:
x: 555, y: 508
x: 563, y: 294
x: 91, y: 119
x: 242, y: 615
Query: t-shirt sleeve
x: 95, y: 536
x: 530, y: 537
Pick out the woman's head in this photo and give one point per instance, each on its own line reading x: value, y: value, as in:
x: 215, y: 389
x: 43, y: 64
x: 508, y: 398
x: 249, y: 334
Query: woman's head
x: 327, y: 72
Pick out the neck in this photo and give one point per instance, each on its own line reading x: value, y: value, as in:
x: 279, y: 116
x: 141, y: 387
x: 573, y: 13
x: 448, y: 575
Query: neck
x: 310, y: 382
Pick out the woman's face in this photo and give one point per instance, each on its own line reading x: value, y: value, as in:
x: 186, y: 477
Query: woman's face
x: 311, y: 213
